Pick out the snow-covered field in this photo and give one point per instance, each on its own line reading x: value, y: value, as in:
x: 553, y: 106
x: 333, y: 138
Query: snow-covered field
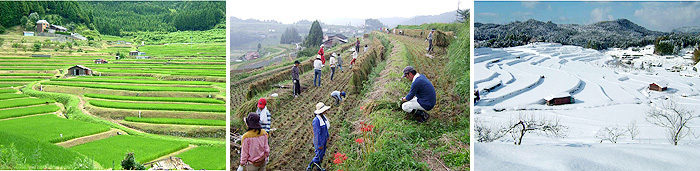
x: 514, y: 82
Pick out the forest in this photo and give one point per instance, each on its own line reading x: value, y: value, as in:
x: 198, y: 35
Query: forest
x: 116, y: 18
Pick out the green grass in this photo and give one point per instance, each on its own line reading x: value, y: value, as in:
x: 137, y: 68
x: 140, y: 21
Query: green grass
x: 6, y: 85
x: 205, y: 157
x: 159, y: 99
x: 133, y: 81
x: 27, y: 74
x: 159, y: 106
x: 114, y: 149
x: 19, y: 80
x: 48, y: 128
x: 23, y: 102
x: 38, y: 153
x: 176, y: 121
x: 8, y: 90
x: 11, y: 113
x: 134, y: 88
x: 125, y: 77
x: 11, y: 96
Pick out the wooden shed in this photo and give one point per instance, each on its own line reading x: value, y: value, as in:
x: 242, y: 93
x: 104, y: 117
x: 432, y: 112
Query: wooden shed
x: 42, y: 26
x: 559, y: 99
x: 658, y: 86
x: 79, y: 70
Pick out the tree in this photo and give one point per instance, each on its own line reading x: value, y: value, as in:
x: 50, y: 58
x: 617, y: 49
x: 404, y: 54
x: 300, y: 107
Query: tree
x: 611, y: 133
x: 259, y: 47
x: 673, y: 117
x: 315, y: 36
x: 290, y: 36
x: 37, y: 47
x: 696, y: 55
x: 528, y: 123
x: 2, y: 29
x: 130, y: 163
x: 373, y: 24
x: 463, y: 15
x: 2, y: 41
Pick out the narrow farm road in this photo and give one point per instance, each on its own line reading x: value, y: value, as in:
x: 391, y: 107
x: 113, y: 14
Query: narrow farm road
x: 172, y: 154
x: 90, y: 138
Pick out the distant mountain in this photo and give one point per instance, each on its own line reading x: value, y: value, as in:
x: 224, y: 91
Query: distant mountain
x: 391, y: 22
x: 620, y: 33
x: 693, y: 29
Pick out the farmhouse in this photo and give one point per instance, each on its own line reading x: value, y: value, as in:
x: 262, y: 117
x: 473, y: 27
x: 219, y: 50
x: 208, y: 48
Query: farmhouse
x: 79, y: 70
x: 28, y: 33
x: 658, y: 86
x: 42, y: 26
x: 251, y: 55
x: 559, y: 99
x: 100, y: 61
x: 58, y: 28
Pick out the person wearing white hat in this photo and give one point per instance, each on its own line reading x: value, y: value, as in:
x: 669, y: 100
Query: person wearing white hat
x: 354, y: 57
x: 320, y: 127
x: 318, y: 65
x: 333, y: 63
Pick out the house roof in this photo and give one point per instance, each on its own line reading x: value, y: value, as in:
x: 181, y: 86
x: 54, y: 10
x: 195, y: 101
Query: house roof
x: 662, y: 83
x: 80, y: 66
x: 42, y: 21
x: 558, y: 95
x: 28, y: 31
x: 59, y: 27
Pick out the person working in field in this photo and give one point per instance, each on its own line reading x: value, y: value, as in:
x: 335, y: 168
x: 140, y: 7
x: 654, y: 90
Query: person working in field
x: 320, y: 52
x: 354, y: 57
x: 318, y: 65
x: 421, y: 97
x: 430, y: 40
x: 357, y: 45
x: 340, y: 62
x: 366, y: 48
x: 265, y: 115
x: 333, y: 64
x: 338, y: 96
x: 320, y: 127
x: 295, y: 79
x: 254, y: 145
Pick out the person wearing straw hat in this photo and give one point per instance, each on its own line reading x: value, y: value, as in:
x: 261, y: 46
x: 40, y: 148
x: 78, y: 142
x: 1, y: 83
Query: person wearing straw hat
x: 254, y: 146
x: 354, y: 57
x: 333, y: 63
x: 295, y: 79
x: 318, y: 65
x: 320, y: 127
x: 320, y: 52
x: 265, y: 115
x: 421, y: 97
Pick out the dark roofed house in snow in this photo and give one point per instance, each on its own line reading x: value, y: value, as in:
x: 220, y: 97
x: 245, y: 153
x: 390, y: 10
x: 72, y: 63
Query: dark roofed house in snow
x: 658, y: 86
x: 79, y: 70
x: 559, y: 99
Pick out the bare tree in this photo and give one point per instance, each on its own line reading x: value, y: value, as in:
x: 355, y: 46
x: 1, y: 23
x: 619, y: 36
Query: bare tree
x: 542, y: 125
x: 673, y: 117
x: 488, y: 133
x: 610, y: 133
x: 633, y: 129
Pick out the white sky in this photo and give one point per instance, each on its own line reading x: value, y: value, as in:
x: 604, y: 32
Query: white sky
x: 290, y: 11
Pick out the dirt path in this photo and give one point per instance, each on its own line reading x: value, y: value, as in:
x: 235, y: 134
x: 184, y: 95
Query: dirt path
x: 90, y: 138
x: 172, y: 154
x: 81, y: 105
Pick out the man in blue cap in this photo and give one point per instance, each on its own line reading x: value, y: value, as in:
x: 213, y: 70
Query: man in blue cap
x: 338, y: 96
x: 422, y: 96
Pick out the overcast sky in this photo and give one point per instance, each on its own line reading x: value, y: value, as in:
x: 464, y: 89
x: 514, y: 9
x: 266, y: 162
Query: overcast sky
x: 290, y: 11
x: 658, y: 16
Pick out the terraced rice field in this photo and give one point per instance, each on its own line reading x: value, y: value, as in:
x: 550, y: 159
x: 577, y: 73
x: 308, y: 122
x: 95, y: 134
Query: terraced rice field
x: 194, y: 157
x: 182, y: 85
x: 145, y: 149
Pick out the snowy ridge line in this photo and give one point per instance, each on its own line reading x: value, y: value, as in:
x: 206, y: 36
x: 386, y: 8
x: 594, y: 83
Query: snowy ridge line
x: 539, y: 61
x: 491, y: 77
x: 491, y: 101
x: 506, y: 76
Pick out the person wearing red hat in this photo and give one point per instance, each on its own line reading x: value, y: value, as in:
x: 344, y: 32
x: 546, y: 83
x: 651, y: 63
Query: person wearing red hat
x: 265, y: 115
x: 320, y: 52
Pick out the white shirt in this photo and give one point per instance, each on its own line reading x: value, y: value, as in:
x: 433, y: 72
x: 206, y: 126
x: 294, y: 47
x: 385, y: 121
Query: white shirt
x: 318, y: 64
x: 354, y: 55
x: 333, y: 62
x: 415, y: 76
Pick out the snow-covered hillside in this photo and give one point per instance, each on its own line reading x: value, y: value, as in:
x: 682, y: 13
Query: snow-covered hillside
x: 609, y: 89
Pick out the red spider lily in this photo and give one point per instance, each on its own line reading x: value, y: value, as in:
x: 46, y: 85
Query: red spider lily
x: 362, y: 108
x: 359, y: 140
x: 370, y: 127
x: 337, y: 155
x: 345, y: 157
x: 339, y: 170
x: 338, y: 161
x: 362, y: 123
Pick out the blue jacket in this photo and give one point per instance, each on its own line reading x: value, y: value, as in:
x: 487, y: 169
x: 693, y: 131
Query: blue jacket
x: 424, y: 90
x: 320, y: 132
